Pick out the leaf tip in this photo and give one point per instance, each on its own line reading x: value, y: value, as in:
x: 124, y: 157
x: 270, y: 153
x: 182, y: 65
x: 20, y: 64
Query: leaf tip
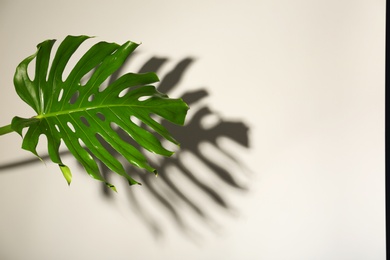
x: 133, y: 182
x: 112, y: 187
x: 66, y: 172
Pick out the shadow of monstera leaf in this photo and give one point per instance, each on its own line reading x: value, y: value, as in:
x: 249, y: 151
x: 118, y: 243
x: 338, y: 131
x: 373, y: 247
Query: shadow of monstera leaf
x: 198, y: 178
x: 191, y: 161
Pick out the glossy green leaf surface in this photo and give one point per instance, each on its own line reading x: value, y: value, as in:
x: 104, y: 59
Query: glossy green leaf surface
x: 81, y: 115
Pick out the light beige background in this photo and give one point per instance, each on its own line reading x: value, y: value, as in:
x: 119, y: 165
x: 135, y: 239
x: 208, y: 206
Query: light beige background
x: 307, y: 77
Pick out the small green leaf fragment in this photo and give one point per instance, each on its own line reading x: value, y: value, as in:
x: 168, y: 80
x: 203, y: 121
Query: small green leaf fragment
x: 133, y: 182
x: 66, y: 172
x: 112, y: 187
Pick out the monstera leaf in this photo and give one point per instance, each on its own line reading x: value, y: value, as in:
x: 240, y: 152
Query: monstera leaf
x: 85, y: 116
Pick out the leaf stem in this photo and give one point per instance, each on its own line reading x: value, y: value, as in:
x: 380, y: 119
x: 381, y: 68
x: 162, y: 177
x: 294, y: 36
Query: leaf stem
x: 6, y: 129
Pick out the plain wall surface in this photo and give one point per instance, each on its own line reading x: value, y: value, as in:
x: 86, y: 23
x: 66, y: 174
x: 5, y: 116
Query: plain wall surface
x: 304, y: 78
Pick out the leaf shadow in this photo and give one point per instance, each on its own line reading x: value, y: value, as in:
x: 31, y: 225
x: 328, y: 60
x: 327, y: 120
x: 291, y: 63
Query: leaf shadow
x: 169, y: 194
x: 191, y: 162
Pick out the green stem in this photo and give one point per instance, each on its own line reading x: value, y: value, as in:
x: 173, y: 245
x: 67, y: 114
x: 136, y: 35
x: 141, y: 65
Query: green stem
x: 6, y: 130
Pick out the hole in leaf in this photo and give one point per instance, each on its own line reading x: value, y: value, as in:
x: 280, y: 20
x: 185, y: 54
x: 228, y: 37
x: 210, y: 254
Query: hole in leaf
x: 82, y: 144
x: 105, y: 144
x: 60, y: 94
x: 124, y: 92
x: 104, y: 85
x: 42, y: 141
x: 101, y: 116
x: 84, y: 80
x: 91, y: 97
x: 144, y: 98
x: 114, y: 126
x: 135, y: 120
x: 31, y: 71
x: 88, y: 152
x: 73, y: 59
x: 57, y: 128
x: 85, y: 121
x: 124, y: 135
x: 71, y: 127
x: 155, y: 118
x: 74, y: 98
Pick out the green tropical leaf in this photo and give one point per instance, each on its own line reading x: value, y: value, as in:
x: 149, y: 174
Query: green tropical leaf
x: 83, y: 116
